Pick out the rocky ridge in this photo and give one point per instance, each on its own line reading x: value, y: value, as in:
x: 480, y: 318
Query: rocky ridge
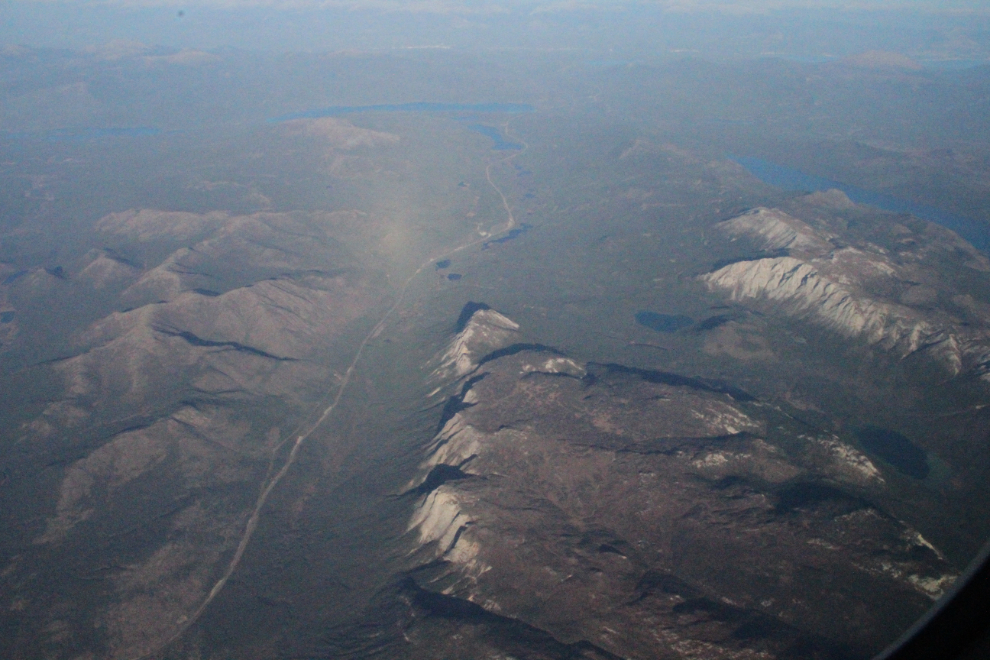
x: 170, y: 411
x: 629, y: 512
x: 840, y: 287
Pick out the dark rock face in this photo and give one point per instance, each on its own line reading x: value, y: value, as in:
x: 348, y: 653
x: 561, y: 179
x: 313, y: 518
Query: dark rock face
x: 896, y: 449
x: 622, y: 514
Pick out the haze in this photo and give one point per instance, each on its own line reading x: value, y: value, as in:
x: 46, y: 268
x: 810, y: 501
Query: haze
x: 487, y: 330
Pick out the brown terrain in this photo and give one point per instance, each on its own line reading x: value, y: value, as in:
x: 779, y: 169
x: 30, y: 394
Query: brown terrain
x: 261, y: 433
x: 618, y: 512
x: 226, y: 343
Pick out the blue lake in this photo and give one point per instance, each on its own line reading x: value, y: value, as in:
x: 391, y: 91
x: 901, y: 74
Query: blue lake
x: 668, y: 323
x: 500, y: 143
x: 512, y: 234
x: 789, y: 178
x: 421, y: 106
x: 10, y: 279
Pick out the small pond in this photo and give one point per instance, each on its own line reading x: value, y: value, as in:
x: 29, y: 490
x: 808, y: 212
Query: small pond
x: 894, y: 448
x: 663, y: 322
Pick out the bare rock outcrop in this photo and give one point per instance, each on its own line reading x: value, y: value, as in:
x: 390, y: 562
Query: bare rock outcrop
x: 659, y: 494
x: 484, y: 331
x: 166, y: 412
x: 842, y: 288
x: 106, y: 270
x: 339, y: 133
x: 151, y: 224
x: 777, y: 230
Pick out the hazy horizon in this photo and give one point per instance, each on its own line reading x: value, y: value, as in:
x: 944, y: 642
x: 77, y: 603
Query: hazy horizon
x: 927, y: 31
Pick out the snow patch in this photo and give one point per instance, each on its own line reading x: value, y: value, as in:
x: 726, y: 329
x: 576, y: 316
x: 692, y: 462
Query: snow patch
x: 849, y: 459
x: 777, y: 229
x: 556, y: 366
x: 805, y: 292
x: 438, y: 518
x: 715, y: 459
x: 486, y: 331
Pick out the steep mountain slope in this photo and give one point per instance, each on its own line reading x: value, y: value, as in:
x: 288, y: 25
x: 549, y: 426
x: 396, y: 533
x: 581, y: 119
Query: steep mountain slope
x: 174, y: 410
x: 862, y: 292
x: 643, y: 514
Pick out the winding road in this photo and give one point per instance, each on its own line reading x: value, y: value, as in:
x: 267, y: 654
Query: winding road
x: 303, y: 433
